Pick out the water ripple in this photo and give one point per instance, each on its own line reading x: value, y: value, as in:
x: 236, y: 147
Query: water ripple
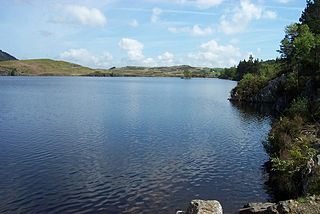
x: 90, y: 145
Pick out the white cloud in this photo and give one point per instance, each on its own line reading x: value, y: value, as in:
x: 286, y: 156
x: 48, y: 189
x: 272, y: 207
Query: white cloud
x: 214, y: 55
x: 242, y: 16
x: 195, y: 30
x: 134, y: 23
x: 77, y: 14
x: 202, y: 4
x: 208, y: 3
x: 166, y: 59
x: 133, y: 48
x: 283, y: 1
x: 156, y: 12
x: 135, y: 54
x: 269, y: 14
x: 84, y: 57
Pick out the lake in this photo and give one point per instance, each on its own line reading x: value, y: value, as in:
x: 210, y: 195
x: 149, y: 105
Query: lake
x: 126, y: 145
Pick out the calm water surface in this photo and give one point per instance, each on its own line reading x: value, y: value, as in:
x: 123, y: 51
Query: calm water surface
x: 126, y: 145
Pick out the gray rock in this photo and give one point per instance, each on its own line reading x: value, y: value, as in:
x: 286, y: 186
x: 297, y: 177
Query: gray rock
x: 204, y: 207
x: 259, y: 208
x: 309, y: 205
x: 318, y: 160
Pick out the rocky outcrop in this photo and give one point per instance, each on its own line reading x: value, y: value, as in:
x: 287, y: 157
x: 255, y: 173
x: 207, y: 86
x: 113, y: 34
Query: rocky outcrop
x: 5, y: 56
x: 309, y: 205
x: 271, y: 93
x: 203, y: 207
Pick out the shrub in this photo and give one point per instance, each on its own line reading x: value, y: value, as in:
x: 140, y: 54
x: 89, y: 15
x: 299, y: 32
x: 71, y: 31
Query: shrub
x: 299, y: 107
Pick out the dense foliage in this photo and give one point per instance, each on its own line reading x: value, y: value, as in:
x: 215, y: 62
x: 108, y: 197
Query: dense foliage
x: 294, y: 141
x: 250, y: 66
x: 259, y: 75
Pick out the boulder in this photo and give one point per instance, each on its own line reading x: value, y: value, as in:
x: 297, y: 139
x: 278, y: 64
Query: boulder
x: 308, y: 205
x: 204, y: 207
x: 259, y: 208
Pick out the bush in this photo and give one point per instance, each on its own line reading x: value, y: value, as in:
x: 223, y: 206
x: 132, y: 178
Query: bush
x: 299, y: 107
x: 291, y: 85
x: 282, y: 135
x: 13, y: 72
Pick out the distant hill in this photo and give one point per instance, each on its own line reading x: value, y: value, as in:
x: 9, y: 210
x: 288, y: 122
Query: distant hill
x: 42, y: 67
x: 170, y: 71
x: 48, y: 67
x: 5, y: 56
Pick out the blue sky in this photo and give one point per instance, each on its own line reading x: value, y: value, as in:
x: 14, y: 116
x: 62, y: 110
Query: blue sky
x: 106, y: 33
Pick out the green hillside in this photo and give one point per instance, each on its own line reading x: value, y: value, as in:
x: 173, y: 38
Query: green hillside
x: 48, y: 67
x: 42, y: 67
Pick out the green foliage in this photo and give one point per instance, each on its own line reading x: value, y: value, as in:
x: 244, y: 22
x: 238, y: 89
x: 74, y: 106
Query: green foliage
x: 291, y: 85
x: 283, y: 134
x: 299, y: 107
x: 251, y: 66
x: 251, y: 83
x: 291, y: 140
x: 303, y: 43
x: 228, y: 73
x: 13, y: 72
x: 286, y: 46
x: 187, y: 74
x: 311, y: 16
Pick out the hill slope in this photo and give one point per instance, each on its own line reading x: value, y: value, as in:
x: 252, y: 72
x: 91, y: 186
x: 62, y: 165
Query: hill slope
x: 48, y: 67
x: 5, y: 56
x: 42, y: 67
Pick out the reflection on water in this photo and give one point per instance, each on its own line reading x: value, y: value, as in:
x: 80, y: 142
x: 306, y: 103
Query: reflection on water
x: 255, y: 109
x: 126, y: 145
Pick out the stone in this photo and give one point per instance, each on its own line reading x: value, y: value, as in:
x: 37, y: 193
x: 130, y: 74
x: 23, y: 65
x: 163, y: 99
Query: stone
x: 318, y: 160
x: 204, y: 207
x: 259, y: 208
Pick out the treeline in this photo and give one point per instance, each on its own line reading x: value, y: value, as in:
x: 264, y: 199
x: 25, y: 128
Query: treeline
x: 294, y: 79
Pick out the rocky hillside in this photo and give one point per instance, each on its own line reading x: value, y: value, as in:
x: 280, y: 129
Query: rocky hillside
x: 5, y: 56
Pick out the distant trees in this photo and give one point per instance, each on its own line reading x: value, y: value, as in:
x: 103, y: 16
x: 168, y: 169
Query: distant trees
x: 251, y: 66
x: 228, y: 73
x: 187, y: 74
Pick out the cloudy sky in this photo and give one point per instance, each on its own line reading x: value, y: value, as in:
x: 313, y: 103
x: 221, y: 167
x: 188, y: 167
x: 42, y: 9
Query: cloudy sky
x: 106, y: 33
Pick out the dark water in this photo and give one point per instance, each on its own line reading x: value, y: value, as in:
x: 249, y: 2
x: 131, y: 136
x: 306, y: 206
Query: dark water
x: 126, y: 145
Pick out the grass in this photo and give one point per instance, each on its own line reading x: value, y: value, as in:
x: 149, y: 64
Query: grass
x: 48, y: 67
x: 44, y: 67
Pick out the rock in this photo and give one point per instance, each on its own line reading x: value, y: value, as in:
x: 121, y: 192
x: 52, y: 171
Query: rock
x: 259, y: 208
x: 271, y: 93
x: 204, y: 207
x: 318, y: 160
x: 308, y: 205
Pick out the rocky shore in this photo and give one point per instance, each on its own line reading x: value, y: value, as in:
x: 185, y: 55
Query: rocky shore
x: 307, y: 205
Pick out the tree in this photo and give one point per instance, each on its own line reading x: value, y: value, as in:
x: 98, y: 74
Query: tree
x: 187, y: 74
x: 286, y: 46
x: 311, y: 16
x: 303, y: 44
x: 251, y: 66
